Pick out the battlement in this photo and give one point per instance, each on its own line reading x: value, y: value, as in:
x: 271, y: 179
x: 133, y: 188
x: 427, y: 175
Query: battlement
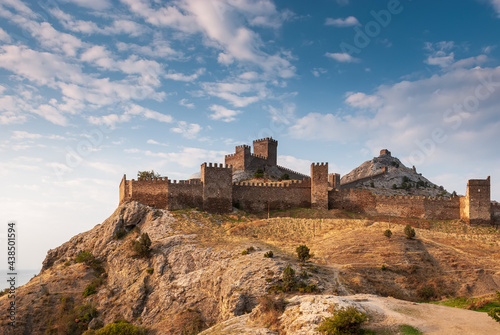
x: 267, y: 139
x: 258, y: 156
x: 479, y: 182
x: 273, y: 185
x: 292, y: 171
x: 216, y: 166
x: 243, y: 146
x: 319, y: 164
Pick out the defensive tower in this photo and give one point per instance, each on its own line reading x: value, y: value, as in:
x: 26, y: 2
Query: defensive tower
x: 268, y: 149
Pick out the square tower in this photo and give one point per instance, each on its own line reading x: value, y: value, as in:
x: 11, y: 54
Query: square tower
x: 475, y: 207
x: 267, y: 148
x: 217, y: 183
x: 319, y: 185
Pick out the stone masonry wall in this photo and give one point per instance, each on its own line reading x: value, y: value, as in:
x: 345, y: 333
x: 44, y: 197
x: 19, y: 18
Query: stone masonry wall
x: 217, y: 188
x: 151, y: 192
x: 185, y: 193
x: 360, y: 200
x: 256, y: 197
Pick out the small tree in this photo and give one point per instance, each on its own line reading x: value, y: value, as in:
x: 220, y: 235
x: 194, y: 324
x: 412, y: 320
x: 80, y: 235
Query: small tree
x: 285, y: 176
x: 409, y: 232
x: 343, y: 321
x: 388, y: 233
x: 143, y: 246
x: 142, y: 175
x: 259, y: 173
x: 289, y: 280
x: 303, y: 253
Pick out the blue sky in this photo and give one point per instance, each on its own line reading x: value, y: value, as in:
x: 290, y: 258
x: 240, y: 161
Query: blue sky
x: 93, y: 89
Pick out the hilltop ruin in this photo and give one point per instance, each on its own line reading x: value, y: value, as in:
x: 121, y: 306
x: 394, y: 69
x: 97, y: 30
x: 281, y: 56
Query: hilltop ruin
x: 216, y: 192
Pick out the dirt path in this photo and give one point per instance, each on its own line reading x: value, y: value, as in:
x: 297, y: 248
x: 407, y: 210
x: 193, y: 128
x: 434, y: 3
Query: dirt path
x: 428, y: 318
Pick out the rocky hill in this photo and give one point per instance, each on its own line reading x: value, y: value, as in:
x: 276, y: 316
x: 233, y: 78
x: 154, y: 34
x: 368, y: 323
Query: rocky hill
x: 397, y: 180
x: 209, y: 272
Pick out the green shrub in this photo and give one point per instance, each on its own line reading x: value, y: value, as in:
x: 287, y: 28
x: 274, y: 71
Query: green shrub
x: 285, y: 176
x: 310, y: 288
x: 495, y: 314
x: 409, y: 330
x: 388, y: 233
x: 259, y: 173
x: 409, y: 232
x: 142, y: 175
x: 121, y: 328
x: 150, y: 270
x: 269, y: 254
x: 87, y: 312
x: 383, y: 268
x: 343, y: 321
x: 304, y: 274
x: 92, y: 287
x: 142, y: 247
x: 289, y: 280
x: 244, y: 252
x: 84, y: 257
x: 303, y: 253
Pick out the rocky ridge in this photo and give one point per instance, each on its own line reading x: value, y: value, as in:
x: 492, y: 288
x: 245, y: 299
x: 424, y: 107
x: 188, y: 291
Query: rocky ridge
x: 399, y: 179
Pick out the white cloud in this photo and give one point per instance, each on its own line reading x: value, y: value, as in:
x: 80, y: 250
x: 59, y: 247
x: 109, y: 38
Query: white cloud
x: 496, y: 5
x: 187, y: 130
x: 190, y: 157
x: 342, y: 57
x: 239, y: 94
x: 441, y: 55
x: 362, y: 100
x: 151, y: 141
x: 130, y: 112
x: 182, y: 77
x: 296, y: 164
x: 318, y: 71
x: 220, y: 24
x: 223, y: 114
x: 159, y: 48
x: 4, y: 37
x: 442, y: 59
x: 92, y: 4
x: 423, y: 118
x: 284, y: 115
x: 186, y: 103
x: 119, y: 26
x: 349, y: 21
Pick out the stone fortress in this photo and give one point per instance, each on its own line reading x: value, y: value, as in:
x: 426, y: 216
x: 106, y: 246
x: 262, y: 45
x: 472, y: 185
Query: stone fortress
x: 216, y: 192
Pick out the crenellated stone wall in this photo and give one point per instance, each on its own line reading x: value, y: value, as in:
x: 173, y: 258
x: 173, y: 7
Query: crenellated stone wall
x: 214, y: 192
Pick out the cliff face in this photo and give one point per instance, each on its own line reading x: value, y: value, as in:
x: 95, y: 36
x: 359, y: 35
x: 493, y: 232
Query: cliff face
x: 180, y: 275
